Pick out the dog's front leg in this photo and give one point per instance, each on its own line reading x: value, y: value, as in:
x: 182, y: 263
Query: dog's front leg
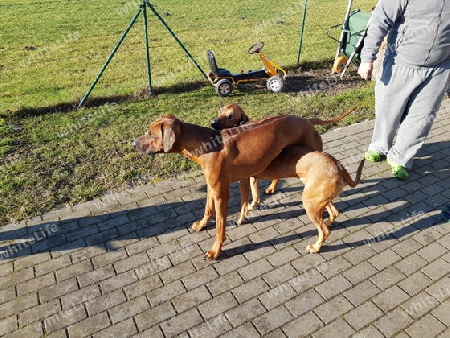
x: 255, y: 194
x: 221, y: 197
x: 209, y: 211
x: 244, y: 187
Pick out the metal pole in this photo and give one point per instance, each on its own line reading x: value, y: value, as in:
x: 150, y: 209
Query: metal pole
x: 176, y: 38
x: 116, y: 47
x: 147, y: 52
x: 305, y: 4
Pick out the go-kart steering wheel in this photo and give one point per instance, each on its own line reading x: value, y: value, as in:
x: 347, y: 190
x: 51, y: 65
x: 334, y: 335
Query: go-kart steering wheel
x: 256, y: 47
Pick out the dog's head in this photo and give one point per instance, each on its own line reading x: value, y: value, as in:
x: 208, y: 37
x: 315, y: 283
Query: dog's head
x: 160, y: 136
x: 229, y: 116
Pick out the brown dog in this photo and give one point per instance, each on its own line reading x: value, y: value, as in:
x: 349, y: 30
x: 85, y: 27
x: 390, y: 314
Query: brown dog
x: 324, y: 178
x: 226, y: 156
x: 232, y: 115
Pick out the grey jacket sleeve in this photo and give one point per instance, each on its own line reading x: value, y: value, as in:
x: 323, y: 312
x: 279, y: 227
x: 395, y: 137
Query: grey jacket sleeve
x: 384, y: 17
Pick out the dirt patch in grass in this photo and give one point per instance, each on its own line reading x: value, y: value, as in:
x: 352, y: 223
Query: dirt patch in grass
x: 320, y: 81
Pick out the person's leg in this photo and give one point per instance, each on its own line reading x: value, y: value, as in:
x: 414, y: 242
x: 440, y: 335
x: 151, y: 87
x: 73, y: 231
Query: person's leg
x: 392, y: 92
x: 420, y: 113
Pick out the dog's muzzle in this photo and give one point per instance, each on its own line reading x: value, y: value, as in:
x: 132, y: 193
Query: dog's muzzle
x: 215, y: 124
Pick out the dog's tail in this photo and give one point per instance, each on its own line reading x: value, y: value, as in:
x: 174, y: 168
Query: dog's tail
x: 336, y: 119
x: 348, y: 179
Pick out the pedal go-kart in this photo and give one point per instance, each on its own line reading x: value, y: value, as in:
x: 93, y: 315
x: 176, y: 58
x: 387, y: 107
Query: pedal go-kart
x: 224, y: 80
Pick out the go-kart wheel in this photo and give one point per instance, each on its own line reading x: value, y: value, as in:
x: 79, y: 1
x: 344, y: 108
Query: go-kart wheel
x: 339, y: 64
x: 275, y: 84
x: 255, y: 48
x: 224, y: 87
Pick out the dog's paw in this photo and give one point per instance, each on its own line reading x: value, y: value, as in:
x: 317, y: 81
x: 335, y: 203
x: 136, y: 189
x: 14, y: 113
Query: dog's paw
x: 269, y: 191
x: 253, y: 205
x: 198, y: 226
x: 211, y: 254
x: 312, y: 249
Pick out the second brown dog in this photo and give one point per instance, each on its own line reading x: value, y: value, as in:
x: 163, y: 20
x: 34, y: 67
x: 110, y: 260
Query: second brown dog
x: 232, y: 115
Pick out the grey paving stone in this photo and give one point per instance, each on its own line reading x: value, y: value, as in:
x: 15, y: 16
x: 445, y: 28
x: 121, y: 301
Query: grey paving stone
x: 105, y: 302
x: 224, y: 283
x: 128, y: 309
x: 272, y: 320
x: 243, y: 331
x: 390, y: 298
x: 79, y: 296
x: 58, y: 290
x: 217, y: 305
x: 181, y: 323
x: 333, y: 309
x: 415, y: 283
x: 304, y: 302
x: 338, y: 325
x: 361, y: 292
x: 387, y: 277
x: 427, y: 326
x: 122, y: 329
x: 359, y: 272
x: 52, y: 265
x: 250, y: 289
x: 254, y: 269
x: 191, y: 299
x: 213, y: 327
x: 36, y: 284
x: 280, y: 275
x: 39, y: 312
x: 201, y: 277
x: 166, y: 292
x: 96, y: 276
x: 442, y: 312
x: 8, y: 325
x: 117, y: 281
x: 302, y: 326
x: 63, y: 319
x: 73, y: 270
x: 27, y: 261
x: 362, y: 315
x: 89, y: 325
x: 15, y: 278
x: 245, y: 312
x: 334, y: 286
x: 277, y: 296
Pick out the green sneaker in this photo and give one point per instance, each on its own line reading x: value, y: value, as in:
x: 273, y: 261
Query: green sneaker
x: 374, y: 156
x: 398, y: 171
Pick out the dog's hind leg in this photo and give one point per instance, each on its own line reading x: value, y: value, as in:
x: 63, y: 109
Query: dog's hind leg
x: 315, y: 213
x: 255, y: 194
x: 244, y: 187
x: 272, y: 187
x: 333, y: 212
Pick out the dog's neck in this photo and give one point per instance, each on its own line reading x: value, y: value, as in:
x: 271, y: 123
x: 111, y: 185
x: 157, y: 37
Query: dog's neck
x: 197, y: 141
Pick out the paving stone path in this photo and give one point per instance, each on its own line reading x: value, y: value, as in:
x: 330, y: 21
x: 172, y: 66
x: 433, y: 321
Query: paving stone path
x: 129, y: 265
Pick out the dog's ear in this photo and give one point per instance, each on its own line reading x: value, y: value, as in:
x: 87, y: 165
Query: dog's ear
x: 244, y: 119
x: 170, y: 128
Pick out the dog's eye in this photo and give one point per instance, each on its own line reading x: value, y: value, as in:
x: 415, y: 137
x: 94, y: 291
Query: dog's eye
x: 230, y: 117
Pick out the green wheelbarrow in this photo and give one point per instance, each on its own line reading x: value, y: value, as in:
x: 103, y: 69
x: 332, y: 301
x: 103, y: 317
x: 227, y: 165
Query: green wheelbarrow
x: 351, y: 39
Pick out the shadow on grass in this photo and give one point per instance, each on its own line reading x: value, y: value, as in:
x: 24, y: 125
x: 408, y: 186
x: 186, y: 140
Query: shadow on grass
x: 307, y: 79
x: 412, y: 213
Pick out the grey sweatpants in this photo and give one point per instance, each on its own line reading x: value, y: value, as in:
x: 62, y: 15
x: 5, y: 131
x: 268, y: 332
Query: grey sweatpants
x: 406, y: 103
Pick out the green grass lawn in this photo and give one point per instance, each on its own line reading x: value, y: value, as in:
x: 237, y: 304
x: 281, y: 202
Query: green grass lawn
x: 52, y: 156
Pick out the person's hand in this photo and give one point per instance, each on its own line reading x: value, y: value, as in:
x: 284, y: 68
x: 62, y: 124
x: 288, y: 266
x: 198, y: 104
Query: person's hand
x: 365, y: 70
